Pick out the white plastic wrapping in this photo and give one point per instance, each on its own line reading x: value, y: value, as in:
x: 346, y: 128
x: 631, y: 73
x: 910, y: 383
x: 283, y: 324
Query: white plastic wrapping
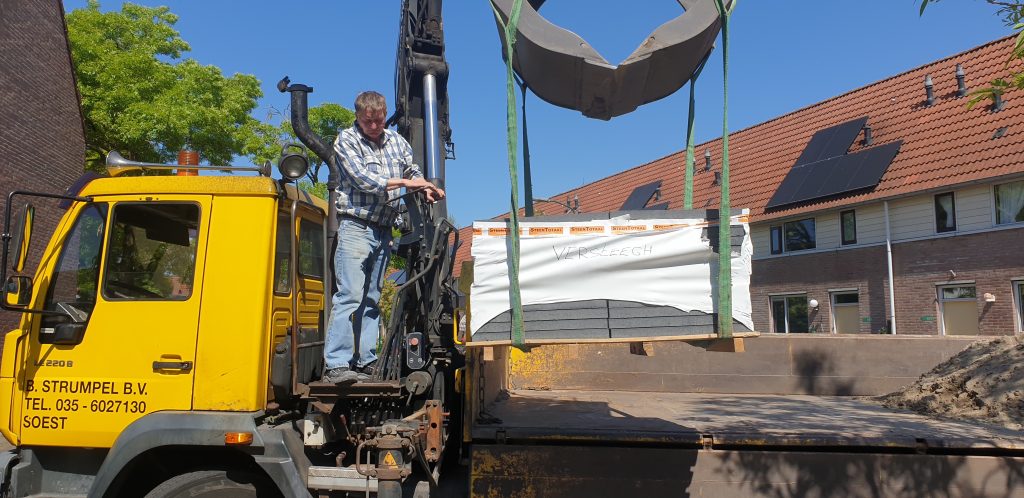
x: 662, y: 262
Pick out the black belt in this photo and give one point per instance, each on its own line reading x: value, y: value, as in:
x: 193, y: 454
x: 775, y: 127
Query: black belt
x: 361, y: 222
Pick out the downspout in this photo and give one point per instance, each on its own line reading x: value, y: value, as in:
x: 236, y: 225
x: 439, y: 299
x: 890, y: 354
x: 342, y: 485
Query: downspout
x: 892, y: 284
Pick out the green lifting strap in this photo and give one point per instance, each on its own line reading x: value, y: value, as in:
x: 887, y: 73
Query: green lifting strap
x: 724, y: 218
x: 515, y: 300
x: 688, y: 185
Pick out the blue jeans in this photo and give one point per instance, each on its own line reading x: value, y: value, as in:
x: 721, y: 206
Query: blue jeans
x: 359, y: 263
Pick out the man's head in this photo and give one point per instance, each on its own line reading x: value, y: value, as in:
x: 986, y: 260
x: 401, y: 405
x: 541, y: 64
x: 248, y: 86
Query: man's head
x: 371, y: 111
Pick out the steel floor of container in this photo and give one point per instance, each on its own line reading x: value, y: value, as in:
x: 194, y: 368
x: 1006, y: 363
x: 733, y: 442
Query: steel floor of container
x: 732, y: 420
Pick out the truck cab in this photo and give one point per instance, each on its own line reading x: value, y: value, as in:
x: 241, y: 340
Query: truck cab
x: 161, y: 295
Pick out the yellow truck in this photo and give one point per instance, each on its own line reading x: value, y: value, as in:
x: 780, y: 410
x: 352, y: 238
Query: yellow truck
x: 159, y: 311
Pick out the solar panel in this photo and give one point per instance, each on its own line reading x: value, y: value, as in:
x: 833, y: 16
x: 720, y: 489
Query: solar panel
x: 836, y: 175
x: 790, y: 186
x: 640, y: 196
x: 832, y: 142
x: 876, y: 162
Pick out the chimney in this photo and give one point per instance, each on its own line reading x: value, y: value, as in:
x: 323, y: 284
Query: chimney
x: 707, y: 160
x: 997, y: 101
x: 868, y: 139
x: 928, y: 91
x: 961, y: 87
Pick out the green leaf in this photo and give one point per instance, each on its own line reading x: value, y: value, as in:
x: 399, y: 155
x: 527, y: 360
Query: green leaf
x: 141, y: 98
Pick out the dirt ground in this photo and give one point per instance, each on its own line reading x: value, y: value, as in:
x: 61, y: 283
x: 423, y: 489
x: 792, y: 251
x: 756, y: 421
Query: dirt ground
x: 984, y: 382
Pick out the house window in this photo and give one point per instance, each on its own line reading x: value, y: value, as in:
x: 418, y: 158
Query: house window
x: 1009, y: 203
x: 789, y: 314
x: 776, y: 235
x: 945, y: 213
x: 792, y: 236
x: 848, y: 227
x: 959, y: 307
x: 1018, y: 294
x: 799, y: 235
x: 845, y: 312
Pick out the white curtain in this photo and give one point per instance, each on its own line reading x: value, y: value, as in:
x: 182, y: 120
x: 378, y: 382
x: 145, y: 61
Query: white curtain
x: 1010, y: 202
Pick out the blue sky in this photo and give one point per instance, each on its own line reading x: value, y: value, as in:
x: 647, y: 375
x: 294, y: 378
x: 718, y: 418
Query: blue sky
x: 784, y: 55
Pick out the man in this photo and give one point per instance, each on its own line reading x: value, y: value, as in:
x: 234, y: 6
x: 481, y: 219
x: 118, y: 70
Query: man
x: 375, y: 162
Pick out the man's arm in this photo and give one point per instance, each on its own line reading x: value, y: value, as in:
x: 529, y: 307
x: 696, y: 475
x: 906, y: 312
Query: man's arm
x: 412, y: 177
x: 433, y: 193
x: 410, y: 169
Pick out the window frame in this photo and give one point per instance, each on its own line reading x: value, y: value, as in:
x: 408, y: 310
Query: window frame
x: 772, y: 298
x: 995, y: 205
x: 942, y: 300
x: 112, y: 219
x: 318, y: 228
x: 776, y: 238
x: 1017, y: 288
x: 973, y: 298
x: 283, y: 220
x: 49, y: 303
x: 935, y: 211
x: 814, y: 236
x: 834, y: 303
x: 842, y: 227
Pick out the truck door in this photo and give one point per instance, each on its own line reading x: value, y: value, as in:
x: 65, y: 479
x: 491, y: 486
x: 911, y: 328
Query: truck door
x: 131, y: 271
x: 305, y: 295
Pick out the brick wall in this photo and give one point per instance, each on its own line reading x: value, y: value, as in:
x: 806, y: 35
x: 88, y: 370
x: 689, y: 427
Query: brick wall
x: 816, y: 273
x: 989, y: 260
x: 42, y: 145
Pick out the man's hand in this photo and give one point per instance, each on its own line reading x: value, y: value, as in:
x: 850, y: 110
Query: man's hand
x: 432, y: 192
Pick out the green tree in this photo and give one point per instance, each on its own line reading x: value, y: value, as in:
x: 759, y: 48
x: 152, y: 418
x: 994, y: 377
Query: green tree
x: 141, y: 98
x: 1012, y: 13
x: 326, y: 120
x: 316, y: 188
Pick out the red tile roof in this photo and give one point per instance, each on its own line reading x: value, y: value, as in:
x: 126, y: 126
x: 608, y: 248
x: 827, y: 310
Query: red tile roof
x: 943, y: 145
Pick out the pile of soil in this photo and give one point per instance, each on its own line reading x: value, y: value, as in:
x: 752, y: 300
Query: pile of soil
x: 984, y: 382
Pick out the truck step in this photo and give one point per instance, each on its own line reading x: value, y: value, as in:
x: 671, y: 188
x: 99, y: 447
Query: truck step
x: 329, y: 392
x: 340, y: 479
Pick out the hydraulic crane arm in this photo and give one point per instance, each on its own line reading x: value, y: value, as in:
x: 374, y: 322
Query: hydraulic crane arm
x: 421, y: 87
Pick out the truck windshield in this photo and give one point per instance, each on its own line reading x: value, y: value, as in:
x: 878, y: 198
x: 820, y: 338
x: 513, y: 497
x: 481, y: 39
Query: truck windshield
x: 151, y: 251
x: 74, y: 282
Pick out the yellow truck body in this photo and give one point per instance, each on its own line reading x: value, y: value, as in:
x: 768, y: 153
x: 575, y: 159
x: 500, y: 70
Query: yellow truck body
x: 189, y: 325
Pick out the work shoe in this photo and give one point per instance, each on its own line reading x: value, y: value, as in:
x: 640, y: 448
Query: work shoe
x: 340, y: 375
x: 368, y: 369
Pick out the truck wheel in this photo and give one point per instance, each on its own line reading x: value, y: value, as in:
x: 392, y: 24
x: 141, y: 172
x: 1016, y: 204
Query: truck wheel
x: 216, y: 484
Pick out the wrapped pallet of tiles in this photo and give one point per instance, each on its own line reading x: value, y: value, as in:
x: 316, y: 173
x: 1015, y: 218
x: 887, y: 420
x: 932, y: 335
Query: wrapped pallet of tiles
x: 621, y: 276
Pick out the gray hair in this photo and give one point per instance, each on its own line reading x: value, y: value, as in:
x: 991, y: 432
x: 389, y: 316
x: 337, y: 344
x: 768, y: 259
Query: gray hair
x: 372, y: 102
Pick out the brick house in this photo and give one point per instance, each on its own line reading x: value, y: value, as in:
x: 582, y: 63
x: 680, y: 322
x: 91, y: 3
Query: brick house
x: 944, y: 208
x: 42, y: 141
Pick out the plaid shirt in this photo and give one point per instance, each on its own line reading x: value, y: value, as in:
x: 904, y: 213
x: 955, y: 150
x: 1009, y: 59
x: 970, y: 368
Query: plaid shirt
x: 365, y: 171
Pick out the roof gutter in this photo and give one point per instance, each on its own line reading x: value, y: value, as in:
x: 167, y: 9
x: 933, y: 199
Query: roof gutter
x: 1010, y: 177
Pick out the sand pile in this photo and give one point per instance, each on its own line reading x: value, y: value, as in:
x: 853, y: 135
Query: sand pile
x: 984, y: 382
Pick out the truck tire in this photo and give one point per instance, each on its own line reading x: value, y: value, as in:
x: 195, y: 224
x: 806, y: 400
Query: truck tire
x: 216, y: 484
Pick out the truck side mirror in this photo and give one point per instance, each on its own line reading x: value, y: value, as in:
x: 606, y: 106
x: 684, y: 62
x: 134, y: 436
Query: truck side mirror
x: 23, y: 237
x: 68, y: 333
x: 18, y: 291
